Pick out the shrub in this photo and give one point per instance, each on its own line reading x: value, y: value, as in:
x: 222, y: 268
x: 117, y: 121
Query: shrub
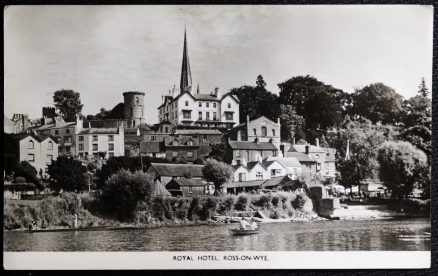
x: 194, y: 209
x: 261, y: 201
x: 241, y: 203
x: 226, y: 204
x: 275, y: 201
x: 208, y: 208
x: 182, y: 209
x: 20, y: 179
x: 298, y: 202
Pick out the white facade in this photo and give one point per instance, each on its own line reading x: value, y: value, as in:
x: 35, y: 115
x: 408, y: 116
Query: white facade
x: 258, y: 171
x: 38, y: 153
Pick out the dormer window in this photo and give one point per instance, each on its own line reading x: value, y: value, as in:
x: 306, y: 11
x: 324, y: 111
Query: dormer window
x: 31, y: 144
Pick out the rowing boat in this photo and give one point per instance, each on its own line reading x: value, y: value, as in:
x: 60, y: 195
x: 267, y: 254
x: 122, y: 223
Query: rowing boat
x: 243, y: 232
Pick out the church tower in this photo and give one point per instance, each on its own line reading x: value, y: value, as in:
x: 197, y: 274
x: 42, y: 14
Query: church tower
x: 186, y: 74
x: 134, y: 108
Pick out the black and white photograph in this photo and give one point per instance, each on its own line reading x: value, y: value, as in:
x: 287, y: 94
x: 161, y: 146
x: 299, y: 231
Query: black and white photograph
x: 192, y: 136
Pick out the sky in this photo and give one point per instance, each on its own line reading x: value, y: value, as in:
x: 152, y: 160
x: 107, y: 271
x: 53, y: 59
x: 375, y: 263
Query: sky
x: 103, y: 51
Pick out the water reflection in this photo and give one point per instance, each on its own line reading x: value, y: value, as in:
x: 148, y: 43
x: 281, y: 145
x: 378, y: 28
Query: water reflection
x: 298, y: 236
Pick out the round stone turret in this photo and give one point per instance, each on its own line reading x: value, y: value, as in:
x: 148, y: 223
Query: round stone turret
x: 134, y: 108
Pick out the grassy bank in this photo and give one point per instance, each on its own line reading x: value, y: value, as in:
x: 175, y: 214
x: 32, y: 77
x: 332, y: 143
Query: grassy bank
x: 58, y: 211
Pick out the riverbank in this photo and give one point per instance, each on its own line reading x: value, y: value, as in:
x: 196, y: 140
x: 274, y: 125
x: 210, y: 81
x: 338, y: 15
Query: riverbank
x: 58, y: 212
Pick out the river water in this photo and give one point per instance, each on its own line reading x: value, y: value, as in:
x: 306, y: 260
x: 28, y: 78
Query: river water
x: 407, y: 234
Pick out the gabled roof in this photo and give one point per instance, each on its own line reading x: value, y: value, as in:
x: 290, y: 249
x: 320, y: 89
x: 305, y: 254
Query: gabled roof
x: 246, y: 145
x: 205, y: 97
x: 302, y: 148
x: 58, y: 125
x: 177, y: 170
x: 21, y: 136
x: 253, y: 183
x: 301, y: 157
x: 189, y: 182
x: 252, y: 164
x: 284, y: 161
x: 173, y: 141
x: 275, y: 181
x: 108, y: 130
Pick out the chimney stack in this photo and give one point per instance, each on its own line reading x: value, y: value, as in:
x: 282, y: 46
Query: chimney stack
x: 217, y: 92
x: 293, y: 141
x: 239, y: 136
x: 317, y: 142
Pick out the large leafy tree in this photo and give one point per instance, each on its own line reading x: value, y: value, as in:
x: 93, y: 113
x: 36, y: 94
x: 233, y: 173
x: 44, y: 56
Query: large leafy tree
x: 218, y: 173
x: 402, y: 167
x: 123, y: 191
x: 116, y: 113
x: 378, y: 103
x: 256, y: 101
x: 26, y: 170
x: 321, y: 105
x: 68, y: 102
x: 67, y: 174
x: 292, y: 124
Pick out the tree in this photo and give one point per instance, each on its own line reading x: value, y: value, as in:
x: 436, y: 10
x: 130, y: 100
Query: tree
x: 123, y: 191
x: 28, y: 172
x: 218, y: 173
x: 68, y: 103
x: 378, y: 103
x: 422, y: 89
x: 67, y: 174
x: 256, y: 101
x: 218, y: 151
x: 291, y: 123
x: 325, y: 111
x: 402, y: 167
x: 116, y: 113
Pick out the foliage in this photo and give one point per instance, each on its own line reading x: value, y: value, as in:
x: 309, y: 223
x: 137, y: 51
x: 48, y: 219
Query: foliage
x: 116, y: 113
x: 402, y: 167
x: 241, y: 203
x: 378, y: 103
x: 68, y: 103
x: 26, y: 170
x: 199, y: 161
x: 217, y: 151
x: 292, y: 124
x: 256, y: 101
x: 123, y: 191
x: 20, y: 179
x: 218, y: 173
x: 68, y: 174
x: 261, y: 201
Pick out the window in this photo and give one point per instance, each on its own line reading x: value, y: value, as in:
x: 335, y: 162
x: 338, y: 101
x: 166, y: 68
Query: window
x: 274, y: 153
x: 31, y: 157
x: 81, y: 147
x: 264, y: 131
x: 176, y: 114
x: 190, y: 189
x: 94, y: 137
x: 200, y: 104
x: 214, y: 116
x: 187, y: 114
x: 205, y: 138
x: 273, y: 132
x: 50, y: 145
x: 207, y: 116
x: 81, y: 138
x: 67, y: 139
x: 242, y: 177
x: 200, y: 116
x: 111, y: 154
x: 131, y: 112
x: 137, y: 100
x: 254, y: 131
x: 49, y: 158
x: 187, y: 103
x: 31, y: 144
x: 190, y: 154
x: 214, y: 105
x: 259, y: 175
x: 207, y: 104
x: 153, y: 137
x: 110, y: 137
x: 229, y: 116
x: 237, y: 153
x: 166, y: 130
x: 273, y: 172
x: 95, y: 147
x: 67, y: 149
x: 174, y: 153
x: 56, y: 132
x: 67, y: 131
x: 110, y: 146
x: 190, y: 143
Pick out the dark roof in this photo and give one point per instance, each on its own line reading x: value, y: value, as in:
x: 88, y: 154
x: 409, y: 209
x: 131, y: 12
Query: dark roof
x: 205, y: 97
x: 130, y: 130
x: 189, y: 182
x: 301, y: 157
x: 302, y: 148
x: 177, y: 170
x: 39, y: 138
x: 151, y: 147
x: 275, y: 181
x: 253, y: 183
x: 251, y: 145
x: 109, y: 130
x: 251, y: 165
x: 173, y: 141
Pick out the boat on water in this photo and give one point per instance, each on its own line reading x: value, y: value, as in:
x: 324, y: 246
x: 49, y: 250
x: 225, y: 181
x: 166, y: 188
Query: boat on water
x: 243, y: 232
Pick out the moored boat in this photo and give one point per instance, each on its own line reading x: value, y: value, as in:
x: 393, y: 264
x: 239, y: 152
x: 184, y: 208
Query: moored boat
x: 243, y: 232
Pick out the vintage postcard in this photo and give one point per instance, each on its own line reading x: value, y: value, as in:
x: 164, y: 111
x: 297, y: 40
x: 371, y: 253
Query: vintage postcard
x: 207, y: 137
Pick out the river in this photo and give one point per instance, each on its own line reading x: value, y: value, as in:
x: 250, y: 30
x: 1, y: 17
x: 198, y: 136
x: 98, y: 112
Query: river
x: 406, y: 234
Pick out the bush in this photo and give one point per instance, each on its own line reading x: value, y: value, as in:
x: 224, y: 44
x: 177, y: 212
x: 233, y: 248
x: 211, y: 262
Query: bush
x: 261, y: 201
x: 194, y: 209
x: 123, y: 191
x: 241, y: 203
x: 299, y: 201
x: 208, y: 207
x: 20, y: 179
x: 275, y: 201
x: 226, y: 204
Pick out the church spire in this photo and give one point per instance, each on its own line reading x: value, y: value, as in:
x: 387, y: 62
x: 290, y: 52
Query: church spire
x: 197, y: 90
x: 186, y: 74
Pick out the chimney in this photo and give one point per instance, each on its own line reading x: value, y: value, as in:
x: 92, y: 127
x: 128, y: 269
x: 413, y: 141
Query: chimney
x: 256, y: 140
x: 239, y: 135
x: 293, y: 141
x: 307, y: 149
x: 260, y: 158
x: 317, y: 142
x: 79, y: 123
x: 197, y: 90
x: 247, y: 120
x: 217, y: 92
